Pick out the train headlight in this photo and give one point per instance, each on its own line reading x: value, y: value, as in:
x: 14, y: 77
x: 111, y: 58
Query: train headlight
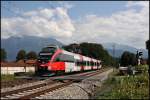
x: 49, y: 67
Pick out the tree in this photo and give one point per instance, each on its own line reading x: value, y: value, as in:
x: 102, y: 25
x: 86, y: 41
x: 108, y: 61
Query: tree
x: 128, y: 58
x: 21, y: 55
x: 3, y: 55
x: 31, y: 55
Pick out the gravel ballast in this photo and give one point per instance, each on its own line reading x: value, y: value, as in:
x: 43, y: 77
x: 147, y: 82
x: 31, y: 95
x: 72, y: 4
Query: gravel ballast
x: 82, y: 90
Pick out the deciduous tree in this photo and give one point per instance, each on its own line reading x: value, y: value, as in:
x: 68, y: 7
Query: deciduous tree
x: 21, y: 55
x: 3, y: 55
x: 31, y: 55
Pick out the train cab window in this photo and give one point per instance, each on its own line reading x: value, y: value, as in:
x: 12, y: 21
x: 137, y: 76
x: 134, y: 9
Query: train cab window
x: 84, y: 63
x: 44, y: 57
x: 78, y: 63
x: 49, y: 49
x: 94, y: 63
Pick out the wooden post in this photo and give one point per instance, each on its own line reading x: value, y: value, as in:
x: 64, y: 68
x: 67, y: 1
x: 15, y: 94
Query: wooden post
x: 7, y: 69
x: 25, y: 64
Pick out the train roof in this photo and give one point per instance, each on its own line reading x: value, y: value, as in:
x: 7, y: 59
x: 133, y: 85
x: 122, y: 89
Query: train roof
x: 51, y: 45
x: 76, y: 56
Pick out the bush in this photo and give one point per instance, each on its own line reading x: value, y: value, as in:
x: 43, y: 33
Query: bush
x: 21, y: 55
x: 129, y: 87
x: 142, y: 68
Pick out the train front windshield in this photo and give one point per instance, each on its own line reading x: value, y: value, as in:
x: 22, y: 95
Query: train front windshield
x: 49, y: 49
x: 46, y: 54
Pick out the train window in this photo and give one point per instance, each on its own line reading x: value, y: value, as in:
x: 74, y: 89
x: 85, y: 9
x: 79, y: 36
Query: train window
x: 95, y: 63
x: 92, y: 63
x: 99, y: 63
x: 65, y: 58
x: 89, y: 63
x: 49, y: 49
x: 76, y: 63
x: 84, y: 63
x: 44, y: 58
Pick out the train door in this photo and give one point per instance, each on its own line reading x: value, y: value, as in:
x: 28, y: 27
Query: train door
x: 81, y: 60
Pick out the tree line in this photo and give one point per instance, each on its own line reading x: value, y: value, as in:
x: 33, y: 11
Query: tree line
x: 21, y: 55
x: 92, y: 50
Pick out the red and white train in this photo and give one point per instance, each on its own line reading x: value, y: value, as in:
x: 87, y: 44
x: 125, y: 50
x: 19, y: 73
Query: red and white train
x: 52, y: 59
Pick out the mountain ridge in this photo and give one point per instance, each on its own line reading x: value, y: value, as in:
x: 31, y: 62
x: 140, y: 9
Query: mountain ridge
x: 120, y: 48
x: 30, y: 43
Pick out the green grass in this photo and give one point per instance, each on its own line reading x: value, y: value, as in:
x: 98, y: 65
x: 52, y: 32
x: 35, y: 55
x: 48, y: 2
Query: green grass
x: 127, y: 87
x: 7, y: 77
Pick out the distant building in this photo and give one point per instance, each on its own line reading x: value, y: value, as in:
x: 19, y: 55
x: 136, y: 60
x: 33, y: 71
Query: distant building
x: 20, y: 66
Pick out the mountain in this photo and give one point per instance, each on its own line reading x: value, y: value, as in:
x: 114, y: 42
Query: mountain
x: 119, y: 49
x: 29, y: 43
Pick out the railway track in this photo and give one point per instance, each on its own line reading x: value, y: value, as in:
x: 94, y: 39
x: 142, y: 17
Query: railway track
x: 45, y: 87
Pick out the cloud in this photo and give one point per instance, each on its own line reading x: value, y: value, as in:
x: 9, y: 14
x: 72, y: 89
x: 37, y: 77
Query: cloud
x: 65, y: 4
x: 137, y: 3
x: 42, y: 22
x: 129, y: 27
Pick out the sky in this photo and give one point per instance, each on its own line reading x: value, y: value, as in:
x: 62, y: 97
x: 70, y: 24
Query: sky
x: 121, y: 22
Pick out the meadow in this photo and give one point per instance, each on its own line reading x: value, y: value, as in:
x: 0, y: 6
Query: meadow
x: 126, y: 87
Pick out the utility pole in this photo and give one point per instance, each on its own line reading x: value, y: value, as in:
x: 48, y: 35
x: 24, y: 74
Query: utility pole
x: 113, y: 50
x: 148, y: 48
x: 113, y: 46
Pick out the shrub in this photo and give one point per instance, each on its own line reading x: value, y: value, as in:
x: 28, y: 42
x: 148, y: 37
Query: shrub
x: 129, y: 87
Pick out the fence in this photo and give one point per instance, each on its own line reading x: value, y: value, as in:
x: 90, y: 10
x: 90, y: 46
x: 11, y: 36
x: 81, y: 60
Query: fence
x: 12, y: 70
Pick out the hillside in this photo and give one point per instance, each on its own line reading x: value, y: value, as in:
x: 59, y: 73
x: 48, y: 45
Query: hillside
x: 29, y: 43
x: 13, y: 44
x: 119, y: 49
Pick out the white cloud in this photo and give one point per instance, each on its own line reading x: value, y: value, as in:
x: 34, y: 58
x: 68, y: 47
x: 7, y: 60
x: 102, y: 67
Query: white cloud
x: 41, y: 22
x: 137, y: 3
x: 130, y: 27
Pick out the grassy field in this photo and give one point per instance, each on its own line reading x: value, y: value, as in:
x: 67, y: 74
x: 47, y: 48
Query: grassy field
x: 7, y: 77
x: 126, y: 87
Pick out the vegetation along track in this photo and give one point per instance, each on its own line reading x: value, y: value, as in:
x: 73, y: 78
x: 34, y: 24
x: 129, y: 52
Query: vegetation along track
x: 16, y: 82
x: 40, y: 89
